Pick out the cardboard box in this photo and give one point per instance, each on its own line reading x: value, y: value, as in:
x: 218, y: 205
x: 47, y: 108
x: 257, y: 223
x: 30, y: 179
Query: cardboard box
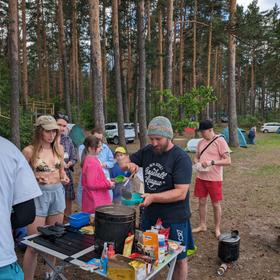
x: 123, y: 268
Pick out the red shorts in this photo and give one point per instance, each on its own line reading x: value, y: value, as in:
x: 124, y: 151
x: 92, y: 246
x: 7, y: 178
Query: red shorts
x: 213, y: 188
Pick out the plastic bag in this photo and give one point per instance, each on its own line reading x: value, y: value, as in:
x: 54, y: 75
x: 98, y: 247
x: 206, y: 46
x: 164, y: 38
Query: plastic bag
x: 137, y: 184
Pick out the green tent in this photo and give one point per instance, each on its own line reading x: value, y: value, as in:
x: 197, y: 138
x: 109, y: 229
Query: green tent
x: 241, y: 133
x: 77, y: 135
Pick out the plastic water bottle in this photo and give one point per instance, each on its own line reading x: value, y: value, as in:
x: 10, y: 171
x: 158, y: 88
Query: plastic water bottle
x: 104, y: 258
x: 161, y: 248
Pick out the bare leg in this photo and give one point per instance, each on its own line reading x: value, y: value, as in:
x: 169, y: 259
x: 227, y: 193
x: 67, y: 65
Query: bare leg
x: 30, y: 256
x: 181, y: 270
x: 217, y: 217
x: 202, y: 215
x: 68, y: 209
x: 51, y: 220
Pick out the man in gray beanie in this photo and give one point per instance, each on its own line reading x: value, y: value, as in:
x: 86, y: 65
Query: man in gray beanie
x: 167, y: 171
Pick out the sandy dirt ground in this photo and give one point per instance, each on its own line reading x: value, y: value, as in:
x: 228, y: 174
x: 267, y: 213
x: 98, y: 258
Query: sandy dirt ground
x: 251, y: 205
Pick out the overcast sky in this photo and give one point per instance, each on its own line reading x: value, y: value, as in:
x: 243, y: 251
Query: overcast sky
x: 263, y: 4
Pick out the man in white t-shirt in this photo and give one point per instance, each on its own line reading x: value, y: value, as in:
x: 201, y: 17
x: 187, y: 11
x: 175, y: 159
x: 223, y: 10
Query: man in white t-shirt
x: 18, y: 187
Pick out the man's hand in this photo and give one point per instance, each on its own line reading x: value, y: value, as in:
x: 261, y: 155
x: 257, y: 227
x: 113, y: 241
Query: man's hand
x: 64, y: 179
x: 112, y: 184
x: 68, y: 165
x: 205, y: 164
x: 132, y: 167
x: 148, y: 199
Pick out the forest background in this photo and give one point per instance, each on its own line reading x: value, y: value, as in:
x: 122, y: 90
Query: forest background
x: 127, y: 61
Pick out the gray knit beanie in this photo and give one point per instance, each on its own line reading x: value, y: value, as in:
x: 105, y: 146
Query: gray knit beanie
x: 160, y: 126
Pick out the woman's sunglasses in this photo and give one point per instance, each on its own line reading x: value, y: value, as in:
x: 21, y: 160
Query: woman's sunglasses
x: 62, y: 116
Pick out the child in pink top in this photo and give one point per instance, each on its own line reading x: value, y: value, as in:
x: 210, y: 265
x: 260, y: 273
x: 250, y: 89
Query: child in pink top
x: 95, y: 185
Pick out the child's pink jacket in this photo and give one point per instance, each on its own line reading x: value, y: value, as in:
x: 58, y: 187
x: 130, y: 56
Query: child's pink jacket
x: 95, y: 185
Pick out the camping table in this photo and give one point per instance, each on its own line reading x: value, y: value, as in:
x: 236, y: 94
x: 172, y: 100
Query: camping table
x: 75, y: 248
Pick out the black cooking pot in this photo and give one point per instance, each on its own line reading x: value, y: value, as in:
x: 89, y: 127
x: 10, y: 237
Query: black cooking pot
x: 229, y: 243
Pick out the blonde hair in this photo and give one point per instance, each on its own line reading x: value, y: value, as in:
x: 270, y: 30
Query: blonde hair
x: 37, y: 145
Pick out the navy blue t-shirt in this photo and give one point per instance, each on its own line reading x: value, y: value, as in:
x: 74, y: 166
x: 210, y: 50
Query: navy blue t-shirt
x: 161, y: 172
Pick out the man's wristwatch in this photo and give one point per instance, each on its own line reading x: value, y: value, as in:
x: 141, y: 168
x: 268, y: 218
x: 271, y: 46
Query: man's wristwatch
x: 212, y: 162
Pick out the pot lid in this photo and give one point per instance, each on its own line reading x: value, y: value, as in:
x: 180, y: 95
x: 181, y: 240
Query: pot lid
x: 115, y: 210
x: 230, y: 237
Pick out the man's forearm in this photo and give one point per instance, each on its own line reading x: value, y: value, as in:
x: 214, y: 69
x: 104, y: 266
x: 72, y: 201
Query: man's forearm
x: 169, y: 196
x: 223, y: 161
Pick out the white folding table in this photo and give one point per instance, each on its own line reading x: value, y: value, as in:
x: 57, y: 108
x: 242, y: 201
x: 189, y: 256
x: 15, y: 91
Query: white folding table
x: 45, y: 248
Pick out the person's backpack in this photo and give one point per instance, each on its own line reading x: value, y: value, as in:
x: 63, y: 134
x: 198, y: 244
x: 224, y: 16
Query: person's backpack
x: 251, y: 134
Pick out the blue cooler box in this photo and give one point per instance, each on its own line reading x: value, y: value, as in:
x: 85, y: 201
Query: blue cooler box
x: 79, y: 220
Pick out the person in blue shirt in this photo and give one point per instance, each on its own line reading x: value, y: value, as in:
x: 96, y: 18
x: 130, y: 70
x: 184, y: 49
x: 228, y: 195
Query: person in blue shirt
x: 252, y: 135
x: 120, y: 155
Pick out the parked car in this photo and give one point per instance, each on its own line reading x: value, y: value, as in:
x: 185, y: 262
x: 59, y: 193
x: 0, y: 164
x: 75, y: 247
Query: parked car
x: 133, y: 125
x: 270, y: 127
x: 112, y: 135
x: 224, y: 119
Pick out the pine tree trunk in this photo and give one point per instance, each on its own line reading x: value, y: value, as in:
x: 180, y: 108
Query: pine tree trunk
x: 214, y: 83
x: 174, y: 57
x: 14, y: 71
x: 169, y: 43
x: 97, y: 89
x: 160, y: 39
x: 253, y: 86
x: 209, y: 62
x: 181, y: 56
x: 238, y: 92
x: 123, y: 66
x: 116, y: 43
x: 149, y: 70
x: 233, y: 138
x: 64, y: 59
x: 194, y: 46
x: 104, y: 63
x: 24, y: 56
x: 142, y: 74
x: 220, y: 101
x: 39, y: 80
x: 246, y: 103
x: 74, y: 71
x: 46, y: 77
x: 130, y: 76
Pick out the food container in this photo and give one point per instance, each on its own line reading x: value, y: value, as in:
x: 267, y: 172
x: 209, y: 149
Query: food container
x: 135, y: 199
x: 78, y: 220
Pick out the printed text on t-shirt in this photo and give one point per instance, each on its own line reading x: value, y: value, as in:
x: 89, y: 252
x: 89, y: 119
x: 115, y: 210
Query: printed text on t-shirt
x: 154, y: 176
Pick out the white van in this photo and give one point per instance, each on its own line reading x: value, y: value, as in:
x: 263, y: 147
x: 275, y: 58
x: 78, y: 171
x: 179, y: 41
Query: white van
x: 111, y: 132
x: 270, y: 127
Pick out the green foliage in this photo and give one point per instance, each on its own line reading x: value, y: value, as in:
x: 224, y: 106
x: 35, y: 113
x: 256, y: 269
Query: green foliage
x: 195, y: 101
x: 247, y: 121
x: 192, y: 103
x: 169, y: 104
x: 4, y: 80
x: 5, y: 128
x: 180, y: 125
x: 273, y: 116
x: 86, y: 114
x: 26, y: 128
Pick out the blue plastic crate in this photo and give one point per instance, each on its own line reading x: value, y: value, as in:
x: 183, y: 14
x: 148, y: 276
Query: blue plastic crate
x: 78, y: 220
